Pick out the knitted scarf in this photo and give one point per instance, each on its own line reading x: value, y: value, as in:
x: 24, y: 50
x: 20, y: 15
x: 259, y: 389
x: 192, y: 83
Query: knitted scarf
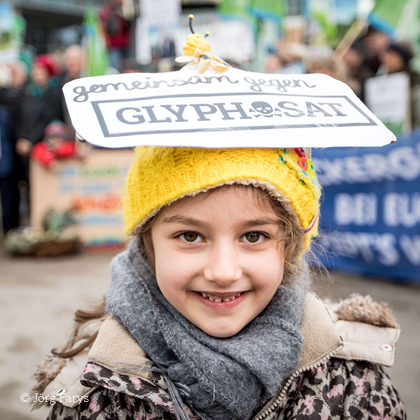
x: 219, y: 378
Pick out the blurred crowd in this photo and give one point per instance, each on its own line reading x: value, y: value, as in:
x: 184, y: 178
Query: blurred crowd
x: 373, y: 54
x: 34, y: 121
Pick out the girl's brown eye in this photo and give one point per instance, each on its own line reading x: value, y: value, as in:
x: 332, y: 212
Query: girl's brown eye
x: 190, y: 236
x: 252, y: 237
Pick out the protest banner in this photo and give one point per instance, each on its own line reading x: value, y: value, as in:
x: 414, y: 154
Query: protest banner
x: 370, y: 220
x: 388, y: 98
x: 155, y: 29
x: 91, y: 188
x: 12, y: 27
x: 187, y: 108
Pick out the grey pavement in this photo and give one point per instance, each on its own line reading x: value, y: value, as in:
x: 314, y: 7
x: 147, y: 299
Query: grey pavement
x: 39, y: 296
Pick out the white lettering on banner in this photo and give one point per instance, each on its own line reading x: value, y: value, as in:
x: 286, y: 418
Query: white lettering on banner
x: 400, y: 163
x: 411, y: 248
x: 358, y: 209
x: 371, y: 247
x: 402, y: 209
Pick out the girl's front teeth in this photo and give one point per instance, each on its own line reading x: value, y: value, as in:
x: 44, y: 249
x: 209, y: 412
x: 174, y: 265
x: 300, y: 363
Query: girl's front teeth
x: 219, y: 300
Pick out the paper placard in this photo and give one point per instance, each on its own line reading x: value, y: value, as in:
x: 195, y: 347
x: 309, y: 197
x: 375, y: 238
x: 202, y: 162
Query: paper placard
x: 388, y: 97
x: 231, y: 109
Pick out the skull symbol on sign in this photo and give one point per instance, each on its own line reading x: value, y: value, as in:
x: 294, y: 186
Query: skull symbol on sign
x: 263, y: 108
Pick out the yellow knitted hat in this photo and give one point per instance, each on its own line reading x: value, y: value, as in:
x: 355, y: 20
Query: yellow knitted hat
x: 162, y: 175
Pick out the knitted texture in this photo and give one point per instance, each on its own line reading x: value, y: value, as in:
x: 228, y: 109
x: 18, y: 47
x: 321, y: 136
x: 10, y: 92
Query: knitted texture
x: 162, y: 175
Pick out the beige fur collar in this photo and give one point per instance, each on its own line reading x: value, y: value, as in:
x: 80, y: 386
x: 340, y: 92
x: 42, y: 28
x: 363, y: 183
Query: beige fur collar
x: 356, y: 329
x: 115, y: 347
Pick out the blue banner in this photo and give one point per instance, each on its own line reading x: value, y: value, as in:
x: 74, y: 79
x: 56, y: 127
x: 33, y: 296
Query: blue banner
x: 370, y: 215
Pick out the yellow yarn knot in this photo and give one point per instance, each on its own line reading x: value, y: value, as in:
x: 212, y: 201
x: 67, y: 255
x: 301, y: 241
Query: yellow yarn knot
x: 194, y: 42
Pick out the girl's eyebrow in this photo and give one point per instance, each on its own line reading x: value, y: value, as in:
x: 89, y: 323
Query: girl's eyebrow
x: 260, y: 222
x: 184, y: 220
x: 194, y: 222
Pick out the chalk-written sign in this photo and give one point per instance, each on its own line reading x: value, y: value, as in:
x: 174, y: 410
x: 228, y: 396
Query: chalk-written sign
x: 231, y: 109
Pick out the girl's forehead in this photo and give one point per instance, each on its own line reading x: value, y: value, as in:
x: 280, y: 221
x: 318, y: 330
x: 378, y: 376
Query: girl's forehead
x: 247, y: 199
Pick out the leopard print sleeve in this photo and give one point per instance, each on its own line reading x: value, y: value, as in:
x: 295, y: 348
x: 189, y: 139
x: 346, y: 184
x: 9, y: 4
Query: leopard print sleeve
x: 105, y: 404
x: 341, y: 389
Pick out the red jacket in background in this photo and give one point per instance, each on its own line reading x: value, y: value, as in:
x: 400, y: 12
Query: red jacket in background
x: 116, y: 28
x: 45, y: 156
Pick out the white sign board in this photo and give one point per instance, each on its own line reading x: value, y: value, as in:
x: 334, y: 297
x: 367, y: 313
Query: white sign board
x: 388, y: 97
x: 231, y: 109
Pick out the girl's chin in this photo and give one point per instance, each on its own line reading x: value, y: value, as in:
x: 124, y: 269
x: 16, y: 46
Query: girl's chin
x: 222, y: 329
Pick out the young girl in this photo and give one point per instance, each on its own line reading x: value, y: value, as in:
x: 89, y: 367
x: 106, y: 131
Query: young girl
x: 210, y: 315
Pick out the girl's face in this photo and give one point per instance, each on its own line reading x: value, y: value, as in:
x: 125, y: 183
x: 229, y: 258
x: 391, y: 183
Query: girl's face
x: 219, y: 257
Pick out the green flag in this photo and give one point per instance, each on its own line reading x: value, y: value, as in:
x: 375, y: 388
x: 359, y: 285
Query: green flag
x: 268, y: 9
x: 94, y: 45
x: 234, y: 8
x: 386, y: 14
x: 323, y: 12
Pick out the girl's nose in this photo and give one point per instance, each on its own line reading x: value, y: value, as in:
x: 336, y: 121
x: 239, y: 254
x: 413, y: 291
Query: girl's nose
x: 223, y: 265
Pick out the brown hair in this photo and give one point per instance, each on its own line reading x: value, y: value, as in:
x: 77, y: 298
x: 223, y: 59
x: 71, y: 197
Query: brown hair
x: 293, y: 239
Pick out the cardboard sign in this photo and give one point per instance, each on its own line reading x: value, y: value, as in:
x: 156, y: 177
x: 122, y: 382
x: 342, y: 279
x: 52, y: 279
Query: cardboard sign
x: 231, y: 109
x: 91, y: 187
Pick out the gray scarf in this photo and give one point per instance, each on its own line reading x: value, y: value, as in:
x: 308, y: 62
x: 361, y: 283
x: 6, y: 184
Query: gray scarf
x: 219, y: 378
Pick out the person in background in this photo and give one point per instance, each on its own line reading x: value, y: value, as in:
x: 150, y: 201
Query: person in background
x: 57, y: 144
x: 41, y: 105
x: 376, y: 42
x: 396, y: 58
x: 117, y: 31
x: 272, y: 63
x: 328, y: 66
x: 73, y: 63
x: 358, y: 71
x: 19, y: 76
x: 11, y: 95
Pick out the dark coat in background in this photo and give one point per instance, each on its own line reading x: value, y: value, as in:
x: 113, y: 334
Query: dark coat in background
x: 40, y: 107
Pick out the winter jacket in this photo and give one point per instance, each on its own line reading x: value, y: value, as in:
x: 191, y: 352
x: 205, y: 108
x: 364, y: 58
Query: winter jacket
x: 340, y: 374
x: 116, y: 28
x: 46, y: 157
x: 10, y: 103
x: 39, y: 108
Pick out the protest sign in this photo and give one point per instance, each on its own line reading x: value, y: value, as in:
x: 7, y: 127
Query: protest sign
x: 155, y: 29
x: 231, y: 109
x: 91, y: 188
x: 370, y: 220
x: 11, y: 32
x: 388, y: 98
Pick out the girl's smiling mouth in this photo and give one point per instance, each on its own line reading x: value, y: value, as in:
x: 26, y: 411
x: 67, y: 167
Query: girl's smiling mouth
x: 216, y: 300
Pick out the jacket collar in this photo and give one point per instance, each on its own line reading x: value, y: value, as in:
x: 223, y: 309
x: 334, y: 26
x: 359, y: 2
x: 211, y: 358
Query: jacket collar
x: 115, y: 348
